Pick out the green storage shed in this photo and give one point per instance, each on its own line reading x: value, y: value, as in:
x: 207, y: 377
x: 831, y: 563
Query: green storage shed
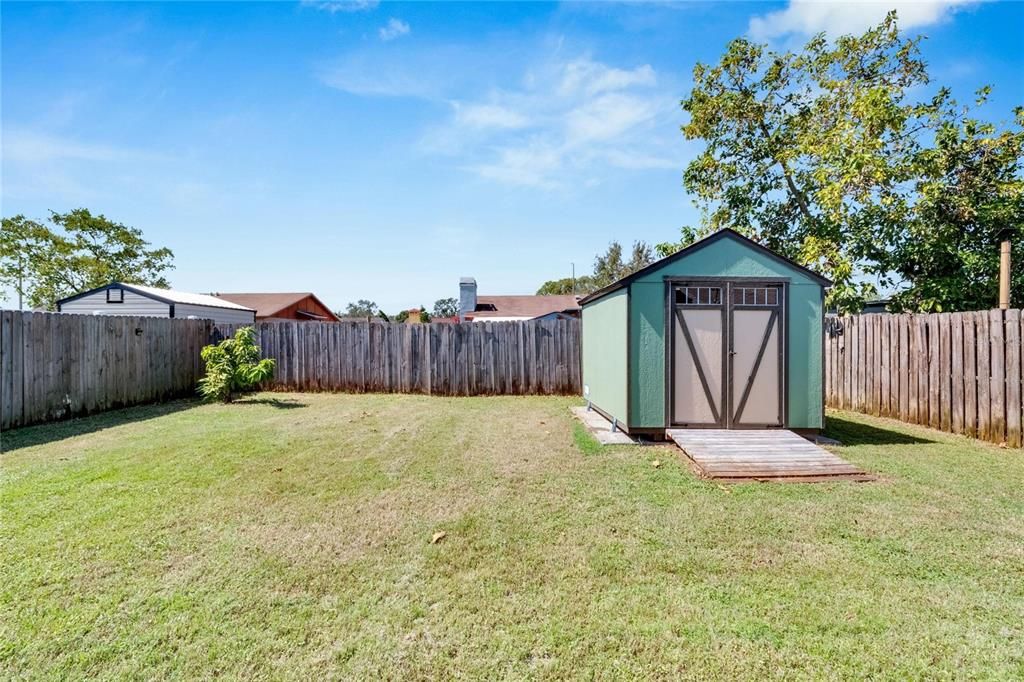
x: 723, y: 334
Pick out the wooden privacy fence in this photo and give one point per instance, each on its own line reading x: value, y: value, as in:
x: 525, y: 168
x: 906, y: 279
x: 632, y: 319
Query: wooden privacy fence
x: 54, y: 366
x: 58, y: 365
x: 958, y: 372
x: 482, y: 358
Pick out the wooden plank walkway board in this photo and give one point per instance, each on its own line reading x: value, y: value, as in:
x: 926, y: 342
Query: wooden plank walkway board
x: 763, y: 455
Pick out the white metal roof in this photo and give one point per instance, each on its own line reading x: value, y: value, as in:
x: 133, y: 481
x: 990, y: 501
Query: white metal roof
x: 186, y: 297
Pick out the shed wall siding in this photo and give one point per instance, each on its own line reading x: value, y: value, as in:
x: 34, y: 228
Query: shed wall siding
x: 218, y: 315
x: 605, y: 353
x: 134, y: 304
x: 726, y: 258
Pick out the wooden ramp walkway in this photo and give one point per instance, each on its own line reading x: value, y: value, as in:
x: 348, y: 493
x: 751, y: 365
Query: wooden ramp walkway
x: 762, y: 455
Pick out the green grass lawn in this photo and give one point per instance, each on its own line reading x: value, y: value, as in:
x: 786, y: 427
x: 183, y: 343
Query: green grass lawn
x: 289, y: 537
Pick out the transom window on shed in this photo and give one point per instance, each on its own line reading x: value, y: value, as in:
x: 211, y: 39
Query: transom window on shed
x: 699, y: 296
x: 115, y: 295
x: 765, y: 296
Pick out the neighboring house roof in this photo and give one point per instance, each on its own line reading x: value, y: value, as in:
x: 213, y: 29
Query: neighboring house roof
x: 164, y: 295
x: 696, y: 246
x: 522, y: 307
x: 269, y: 304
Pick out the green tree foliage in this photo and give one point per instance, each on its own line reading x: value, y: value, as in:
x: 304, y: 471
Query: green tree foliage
x: 77, y: 251
x: 424, y: 315
x: 402, y: 316
x: 688, y: 236
x: 382, y: 315
x: 970, y: 197
x: 580, y: 286
x: 609, y: 267
x: 233, y: 366
x: 446, y: 307
x: 821, y: 155
x: 361, y: 308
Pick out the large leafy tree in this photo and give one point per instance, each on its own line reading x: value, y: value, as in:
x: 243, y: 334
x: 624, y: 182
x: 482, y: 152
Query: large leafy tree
x: 819, y: 154
x: 76, y: 251
x: 970, y: 197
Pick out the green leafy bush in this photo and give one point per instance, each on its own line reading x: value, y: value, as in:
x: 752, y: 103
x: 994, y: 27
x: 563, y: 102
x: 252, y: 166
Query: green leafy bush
x: 233, y: 366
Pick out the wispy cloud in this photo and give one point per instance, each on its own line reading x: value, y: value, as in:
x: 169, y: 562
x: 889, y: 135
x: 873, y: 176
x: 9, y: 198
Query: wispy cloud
x: 568, y: 119
x: 31, y: 147
x: 836, y: 17
x: 562, y: 122
x: 335, y: 6
x: 58, y: 167
x: 379, y: 70
x: 366, y: 76
x: 395, y: 28
x: 483, y: 116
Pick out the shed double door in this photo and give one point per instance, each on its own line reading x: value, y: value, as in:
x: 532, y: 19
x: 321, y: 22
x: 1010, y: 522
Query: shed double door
x: 728, y: 365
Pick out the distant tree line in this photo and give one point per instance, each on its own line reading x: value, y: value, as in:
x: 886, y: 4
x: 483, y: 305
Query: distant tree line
x: 444, y: 308
x: 609, y: 267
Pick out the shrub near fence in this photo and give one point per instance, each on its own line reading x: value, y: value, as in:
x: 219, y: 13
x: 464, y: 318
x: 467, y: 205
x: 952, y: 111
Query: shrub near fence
x: 59, y: 365
x: 958, y: 372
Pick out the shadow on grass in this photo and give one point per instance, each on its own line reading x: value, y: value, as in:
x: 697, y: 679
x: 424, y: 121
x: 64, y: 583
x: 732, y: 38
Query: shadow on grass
x: 857, y: 433
x: 278, y: 403
x: 40, y: 434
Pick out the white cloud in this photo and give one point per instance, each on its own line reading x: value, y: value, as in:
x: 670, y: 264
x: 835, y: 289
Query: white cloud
x: 395, y: 28
x: 564, y: 123
x: 836, y: 17
x: 335, y: 6
x: 591, y: 78
x: 608, y: 116
x: 640, y: 160
x: 365, y: 75
x: 531, y: 165
x: 40, y: 164
x: 568, y: 119
x: 488, y: 116
x: 30, y: 147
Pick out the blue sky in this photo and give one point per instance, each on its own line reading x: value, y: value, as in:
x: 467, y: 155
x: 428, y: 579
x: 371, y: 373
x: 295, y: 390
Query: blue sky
x: 364, y: 150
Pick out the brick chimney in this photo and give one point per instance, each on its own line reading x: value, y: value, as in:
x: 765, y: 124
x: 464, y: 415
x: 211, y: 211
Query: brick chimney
x: 467, y: 297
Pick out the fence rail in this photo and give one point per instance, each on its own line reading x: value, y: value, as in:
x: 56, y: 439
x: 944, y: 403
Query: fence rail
x: 958, y: 372
x: 59, y: 365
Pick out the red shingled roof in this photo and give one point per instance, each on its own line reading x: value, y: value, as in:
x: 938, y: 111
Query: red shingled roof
x: 269, y: 304
x: 527, y: 307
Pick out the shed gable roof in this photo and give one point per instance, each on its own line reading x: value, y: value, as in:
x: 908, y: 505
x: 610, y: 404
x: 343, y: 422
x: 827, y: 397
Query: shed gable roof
x: 726, y: 233
x: 168, y: 296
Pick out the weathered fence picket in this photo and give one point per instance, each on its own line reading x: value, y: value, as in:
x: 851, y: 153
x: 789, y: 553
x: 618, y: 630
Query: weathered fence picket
x: 59, y: 365
x: 958, y: 372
